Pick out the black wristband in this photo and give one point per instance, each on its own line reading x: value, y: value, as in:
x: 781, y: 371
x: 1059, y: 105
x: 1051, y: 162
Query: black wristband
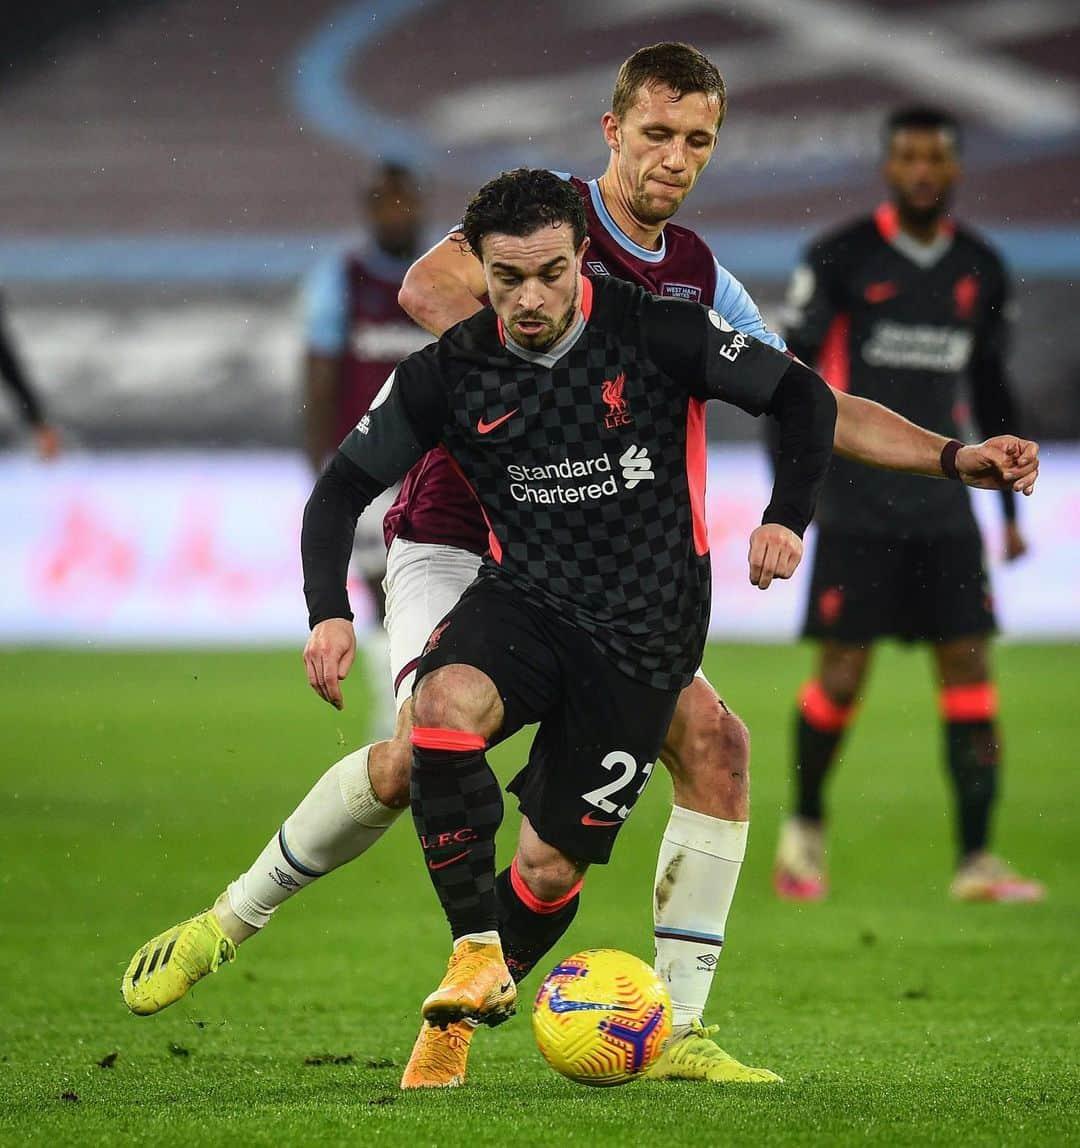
x: 948, y: 459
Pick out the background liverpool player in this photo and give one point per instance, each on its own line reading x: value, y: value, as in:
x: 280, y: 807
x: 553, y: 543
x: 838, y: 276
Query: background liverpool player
x: 355, y: 331
x: 901, y: 307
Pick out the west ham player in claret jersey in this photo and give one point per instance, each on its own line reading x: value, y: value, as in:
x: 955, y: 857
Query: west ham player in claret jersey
x: 669, y: 102
x: 355, y: 332
x: 903, y: 306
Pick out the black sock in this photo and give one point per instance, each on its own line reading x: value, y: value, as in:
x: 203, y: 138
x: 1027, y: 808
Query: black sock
x: 457, y: 807
x: 973, y: 749
x: 820, y: 724
x: 526, y: 934
x: 814, y: 753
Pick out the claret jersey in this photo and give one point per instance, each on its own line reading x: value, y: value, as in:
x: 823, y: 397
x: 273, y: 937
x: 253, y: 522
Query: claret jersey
x: 434, y: 504
x: 587, y: 462
x: 904, y: 324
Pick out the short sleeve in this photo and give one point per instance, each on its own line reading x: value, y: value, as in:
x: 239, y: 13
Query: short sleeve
x: 701, y: 350
x: 325, y: 308
x: 733, y: 302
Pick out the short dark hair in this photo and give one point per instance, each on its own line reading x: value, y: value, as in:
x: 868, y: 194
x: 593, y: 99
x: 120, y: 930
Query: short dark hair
x: 680, y: 67
x: 520, y: 202
x: 922, y: 117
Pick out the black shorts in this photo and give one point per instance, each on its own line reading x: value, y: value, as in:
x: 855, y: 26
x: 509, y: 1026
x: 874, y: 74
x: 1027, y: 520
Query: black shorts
x: 600, y: 731
x: 917, y: 589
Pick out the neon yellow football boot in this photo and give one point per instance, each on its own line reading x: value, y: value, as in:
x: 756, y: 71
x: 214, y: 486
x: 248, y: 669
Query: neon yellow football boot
x: 163, y: 970
x: 696, y: 1056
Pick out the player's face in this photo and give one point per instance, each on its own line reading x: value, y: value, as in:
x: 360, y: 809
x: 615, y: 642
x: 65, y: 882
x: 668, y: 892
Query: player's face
x: 921, y: 170
x: 662, y: 144
x: 394, y: 215
x: 534, y: 283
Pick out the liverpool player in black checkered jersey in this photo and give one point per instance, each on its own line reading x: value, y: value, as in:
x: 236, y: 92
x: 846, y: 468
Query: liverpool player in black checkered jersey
x: 903, y: 307
x: 570, y: 408
x: 573, y: 410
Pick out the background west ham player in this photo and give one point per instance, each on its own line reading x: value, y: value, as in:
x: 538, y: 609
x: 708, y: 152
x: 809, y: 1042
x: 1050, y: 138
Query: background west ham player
x: 356, y: 331
x: 901, y: 307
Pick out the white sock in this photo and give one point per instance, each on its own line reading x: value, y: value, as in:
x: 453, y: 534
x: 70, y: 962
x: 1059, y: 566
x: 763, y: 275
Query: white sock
x: 338, y: 820
x: 696, y: 874
x: 376, y: 646
x: 488, y: 937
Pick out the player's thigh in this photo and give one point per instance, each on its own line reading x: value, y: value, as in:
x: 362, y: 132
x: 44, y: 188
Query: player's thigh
x: 423, y: 583
x: 949, y: 589
x: 855, y: 588
x: 963, y: 661
x: 842, y: 668
x: 494, y: 630
x: 592, y: 756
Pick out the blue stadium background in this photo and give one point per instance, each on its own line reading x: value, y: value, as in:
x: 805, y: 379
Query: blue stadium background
x: 172, y: 168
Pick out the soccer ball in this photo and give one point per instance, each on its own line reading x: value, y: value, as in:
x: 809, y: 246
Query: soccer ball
x: 601, y: 1017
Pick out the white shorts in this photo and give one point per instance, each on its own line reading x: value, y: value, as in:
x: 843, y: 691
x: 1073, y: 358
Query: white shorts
x: 369, y: 544
x: 423, y: 583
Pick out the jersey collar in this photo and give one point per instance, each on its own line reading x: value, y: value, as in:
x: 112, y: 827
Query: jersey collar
x: 887, y: 221
x: 617, y: 233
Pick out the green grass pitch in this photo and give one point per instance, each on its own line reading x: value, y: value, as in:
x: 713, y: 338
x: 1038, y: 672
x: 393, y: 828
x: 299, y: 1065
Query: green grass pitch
x: 134, y: 786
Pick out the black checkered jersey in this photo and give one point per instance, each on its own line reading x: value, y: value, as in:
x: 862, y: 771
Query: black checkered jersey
x: 589, y: 463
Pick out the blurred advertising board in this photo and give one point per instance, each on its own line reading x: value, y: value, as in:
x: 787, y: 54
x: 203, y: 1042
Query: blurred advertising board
x: 202, y: 548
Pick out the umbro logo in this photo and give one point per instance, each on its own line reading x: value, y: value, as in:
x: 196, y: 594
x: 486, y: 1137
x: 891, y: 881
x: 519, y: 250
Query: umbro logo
x: 595, y: 267
x: 636, y: 466
x: 285, y: 880
x: 708, y: 960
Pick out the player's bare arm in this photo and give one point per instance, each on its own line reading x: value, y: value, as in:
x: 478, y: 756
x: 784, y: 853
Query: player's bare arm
x: 444, y: 286
x: 870, y: 433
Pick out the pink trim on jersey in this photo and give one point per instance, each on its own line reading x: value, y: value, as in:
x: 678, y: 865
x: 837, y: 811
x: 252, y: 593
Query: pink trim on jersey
x: 834, y: 358
x: 887, y: 221
x: 494, y: 546
x: 697, y: 457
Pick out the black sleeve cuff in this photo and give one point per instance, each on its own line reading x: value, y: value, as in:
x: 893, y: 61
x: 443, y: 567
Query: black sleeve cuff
x: 806, y: 411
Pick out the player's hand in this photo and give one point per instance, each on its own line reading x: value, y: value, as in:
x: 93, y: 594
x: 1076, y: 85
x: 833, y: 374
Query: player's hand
x: 328, y: 657
x: 47, y: 442
x: 1000, y: 463
x: 775, y: 552
x: 1016, y: 545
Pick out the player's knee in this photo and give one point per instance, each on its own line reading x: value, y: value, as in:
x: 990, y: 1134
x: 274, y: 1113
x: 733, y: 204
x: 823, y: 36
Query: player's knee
x: 455, y: 697
x: 713, y: 749
x: 548, y: 874
x: 840, y: 683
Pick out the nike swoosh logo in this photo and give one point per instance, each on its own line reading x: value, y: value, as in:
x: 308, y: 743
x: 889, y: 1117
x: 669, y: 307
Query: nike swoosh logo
x: 486, y: 428
x: 505, y: 988
x: 443, y: 864
x: 588, y: 819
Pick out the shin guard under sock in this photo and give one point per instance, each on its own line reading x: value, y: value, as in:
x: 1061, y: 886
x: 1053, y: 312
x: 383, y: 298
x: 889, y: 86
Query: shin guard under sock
x: 457, y: 807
